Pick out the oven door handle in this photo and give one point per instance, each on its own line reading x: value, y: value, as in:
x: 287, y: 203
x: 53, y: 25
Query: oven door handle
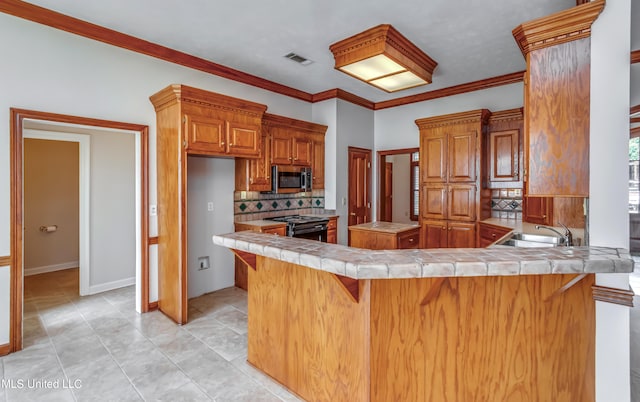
x: 318, y: 228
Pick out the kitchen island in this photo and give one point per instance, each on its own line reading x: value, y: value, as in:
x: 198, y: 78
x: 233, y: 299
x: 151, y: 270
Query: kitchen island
x: 334, y: 323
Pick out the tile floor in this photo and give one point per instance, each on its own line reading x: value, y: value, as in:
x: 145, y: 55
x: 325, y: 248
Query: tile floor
x: 98, y: 348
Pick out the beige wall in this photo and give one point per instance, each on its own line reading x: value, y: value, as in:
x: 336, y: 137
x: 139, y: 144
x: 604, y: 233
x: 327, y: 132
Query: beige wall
x: 401, y: 187
x: 50, y: 198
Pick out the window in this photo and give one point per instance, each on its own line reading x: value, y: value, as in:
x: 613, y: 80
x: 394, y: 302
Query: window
x: 634, y: 175
x: 414, y: 198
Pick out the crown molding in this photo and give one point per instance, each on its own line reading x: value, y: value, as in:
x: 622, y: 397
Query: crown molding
x: 454, y: 90
x: 344, y: 95
x: 86, y: 29
x: 564, y: 26
x: 506, y: 115
x: 634, y: 132
x: 635, y: 120
x: 269, y: 119
x: 635, y: 56
x: 634, y: 109
x: 471, y: 116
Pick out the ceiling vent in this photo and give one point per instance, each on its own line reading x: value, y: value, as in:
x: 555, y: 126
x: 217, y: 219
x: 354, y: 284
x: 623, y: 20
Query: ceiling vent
x: 298, y: 59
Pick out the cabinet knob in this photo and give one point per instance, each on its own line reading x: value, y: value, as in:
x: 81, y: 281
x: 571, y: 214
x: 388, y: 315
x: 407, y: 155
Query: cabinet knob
x: 544, y: 216
x: 493, y: 235
x: 222, y: 143
x: 444, y: 228
x: 449, y: 228
x: 289, y: 158
x: 353, y: 214
x: 230, y: 144
x: 314, y: 177
x: 251, y: 180
x: 411, y: 240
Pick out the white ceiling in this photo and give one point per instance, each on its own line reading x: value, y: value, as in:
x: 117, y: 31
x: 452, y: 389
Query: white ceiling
x: 470, y: 39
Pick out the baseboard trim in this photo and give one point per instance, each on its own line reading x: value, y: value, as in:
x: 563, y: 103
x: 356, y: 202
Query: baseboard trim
x: 112, y: 285
x: 153, y: 306
x: 51, y: 268
x: 5, y: 349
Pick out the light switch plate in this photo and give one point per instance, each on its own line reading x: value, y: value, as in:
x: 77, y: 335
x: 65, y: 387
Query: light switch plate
x: 209, y: 206
x: 153, y: 210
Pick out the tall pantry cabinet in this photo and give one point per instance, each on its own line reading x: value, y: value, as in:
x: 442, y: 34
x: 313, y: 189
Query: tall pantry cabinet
x: 192, y: 121
x: 450, y: 172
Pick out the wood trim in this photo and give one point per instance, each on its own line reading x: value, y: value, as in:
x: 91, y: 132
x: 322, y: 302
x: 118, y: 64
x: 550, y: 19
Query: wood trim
x: 153, y: 306
x: 635, y: 120
x: 351, y: 287
x: 17, y: 117
x: 635, y: 132
x: 153, y: 240
x: 486, y: 83
x: 398, y: 151
x: 5, y: 260
x: 5, y: 349
x: 635, y: 56
x: 634, y: 109
x: 507, y: 115
x: 344, y: 95
x: 561, y: 27
x: 381, y: 155
x: 86, y: 29
x: 248, y: 258
x: 613, y: 295
x: 471, y: 116
x: 269, y: 119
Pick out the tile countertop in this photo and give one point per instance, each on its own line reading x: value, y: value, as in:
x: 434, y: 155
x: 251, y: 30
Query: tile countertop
x: 262, y: 223
x: 421, y: 263
x: 530, y: 228
x: 385, y: 227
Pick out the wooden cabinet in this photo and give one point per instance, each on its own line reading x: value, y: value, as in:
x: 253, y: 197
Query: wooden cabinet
x: 191, y: 121
x: 443, y: 234
x: 450, y: 171
x: 317, y: 164
x: 557, y: 49
x: 277, y: 228
x: 537, y: 210
x: 332, y: 230
x: 385, y: 237
x: 255, y: 174
x: 489, y: 234
x: 290, y: 148
x: 503, y: 153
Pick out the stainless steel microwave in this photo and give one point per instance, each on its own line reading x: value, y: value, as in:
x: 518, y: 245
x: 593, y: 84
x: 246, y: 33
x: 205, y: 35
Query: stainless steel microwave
x: 290, y: 179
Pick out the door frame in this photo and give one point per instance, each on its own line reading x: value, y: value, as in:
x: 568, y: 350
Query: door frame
x: 350, y: 151
x: 382, y: 158
x: 16, y: 142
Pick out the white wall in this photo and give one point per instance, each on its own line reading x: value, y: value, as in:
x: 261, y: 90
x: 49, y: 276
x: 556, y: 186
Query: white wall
x: 608, y: 193
x: 326, y: 113
x: 401, y: 187
x: 209, y: 180
x: 54, y: 71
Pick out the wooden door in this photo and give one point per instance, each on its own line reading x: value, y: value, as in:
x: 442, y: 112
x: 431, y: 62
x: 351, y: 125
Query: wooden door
x: 317, y: 166
x: 281, y: 147
x: 503, y: 155
x: 302, y: 150
x: 538, y: 210
x: 359, y: 186
x: 387, y: 193
x: 205, y: 135
x: 434, y: 234
x: 462, y: 156
x: 244, y: 140
x: 433, y: 159
x: 461, y: 235
x: 461, y: 202
x: 434, y: 201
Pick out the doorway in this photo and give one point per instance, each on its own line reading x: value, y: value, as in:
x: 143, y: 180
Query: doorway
x: 359, y: 186
x: 22, y: 120
x: 399, y: 191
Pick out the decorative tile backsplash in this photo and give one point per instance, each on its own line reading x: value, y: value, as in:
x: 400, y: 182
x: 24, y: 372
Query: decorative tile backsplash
x: 258, y: 205
x: 506, y: 203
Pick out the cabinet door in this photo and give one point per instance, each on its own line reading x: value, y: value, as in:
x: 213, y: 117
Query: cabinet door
x: 244, y: 140
x: 434, y: 201
x: 205, y: 134
x: 462, y: 156
x: 332, y: 230
x: 410, y: 239
x: 461, y: 235
x: 317, y: 167
x: 302, y: 149
x: 462, y: 202
x: 488, y: 234
x: 281, y: 147
x: 538, y: 210
x: 503, y: 156
x: 260, y: 169
x: 433, y: 159
x: 434, y: 234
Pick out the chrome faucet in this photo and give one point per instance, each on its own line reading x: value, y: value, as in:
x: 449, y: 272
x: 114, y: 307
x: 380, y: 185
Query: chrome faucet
x: 567, y: 237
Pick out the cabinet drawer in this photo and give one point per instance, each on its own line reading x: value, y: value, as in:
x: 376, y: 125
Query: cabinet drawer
x: 409, y: 240
x: 281, y: 231
x: 489, y: 233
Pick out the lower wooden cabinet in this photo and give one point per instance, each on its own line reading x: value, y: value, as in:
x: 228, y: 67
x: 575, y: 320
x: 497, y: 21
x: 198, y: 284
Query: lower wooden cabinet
x: 448, y: 234
x: 332, y: 230
x: 488, y: 234
x: 241, y: 274
x: 380, y: 240
x: 537, y: 210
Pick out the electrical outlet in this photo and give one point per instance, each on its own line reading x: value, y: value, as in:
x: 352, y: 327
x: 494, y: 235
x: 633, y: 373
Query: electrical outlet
x: 243, y: 195
x: 153, y: 210
x: 203, y: 263
x: 209, y: 206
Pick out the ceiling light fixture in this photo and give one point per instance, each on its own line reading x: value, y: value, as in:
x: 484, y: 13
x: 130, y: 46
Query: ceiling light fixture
x: 382, y: 57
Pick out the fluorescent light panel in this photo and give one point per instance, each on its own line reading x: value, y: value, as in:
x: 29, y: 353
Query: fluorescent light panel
x: 373, y: 67
x: 398, y: 82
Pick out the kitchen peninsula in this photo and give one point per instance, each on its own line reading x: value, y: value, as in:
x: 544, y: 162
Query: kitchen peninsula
x: 337, y: 323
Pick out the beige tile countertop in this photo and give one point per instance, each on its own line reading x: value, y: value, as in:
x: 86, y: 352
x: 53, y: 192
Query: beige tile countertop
x: 262, y: 223
x: 386, y: 227
x: 419, y: 263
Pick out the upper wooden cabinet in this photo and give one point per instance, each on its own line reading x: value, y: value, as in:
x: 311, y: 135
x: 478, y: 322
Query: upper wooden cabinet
x: 538, y: 210
x: 191, y: 121
x: 557, y: 49
x: 255, y: 174
x: 317, y: 163
x: 450, y: 156
x: 503, y: 153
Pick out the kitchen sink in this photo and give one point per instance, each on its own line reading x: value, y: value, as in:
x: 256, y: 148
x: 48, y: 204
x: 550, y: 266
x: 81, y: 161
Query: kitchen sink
x: 530, y: 240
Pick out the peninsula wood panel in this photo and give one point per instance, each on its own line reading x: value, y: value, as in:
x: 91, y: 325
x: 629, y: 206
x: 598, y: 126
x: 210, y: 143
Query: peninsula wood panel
x: 483, y: 339
x: 306, y: 332
x: 557, y: 105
